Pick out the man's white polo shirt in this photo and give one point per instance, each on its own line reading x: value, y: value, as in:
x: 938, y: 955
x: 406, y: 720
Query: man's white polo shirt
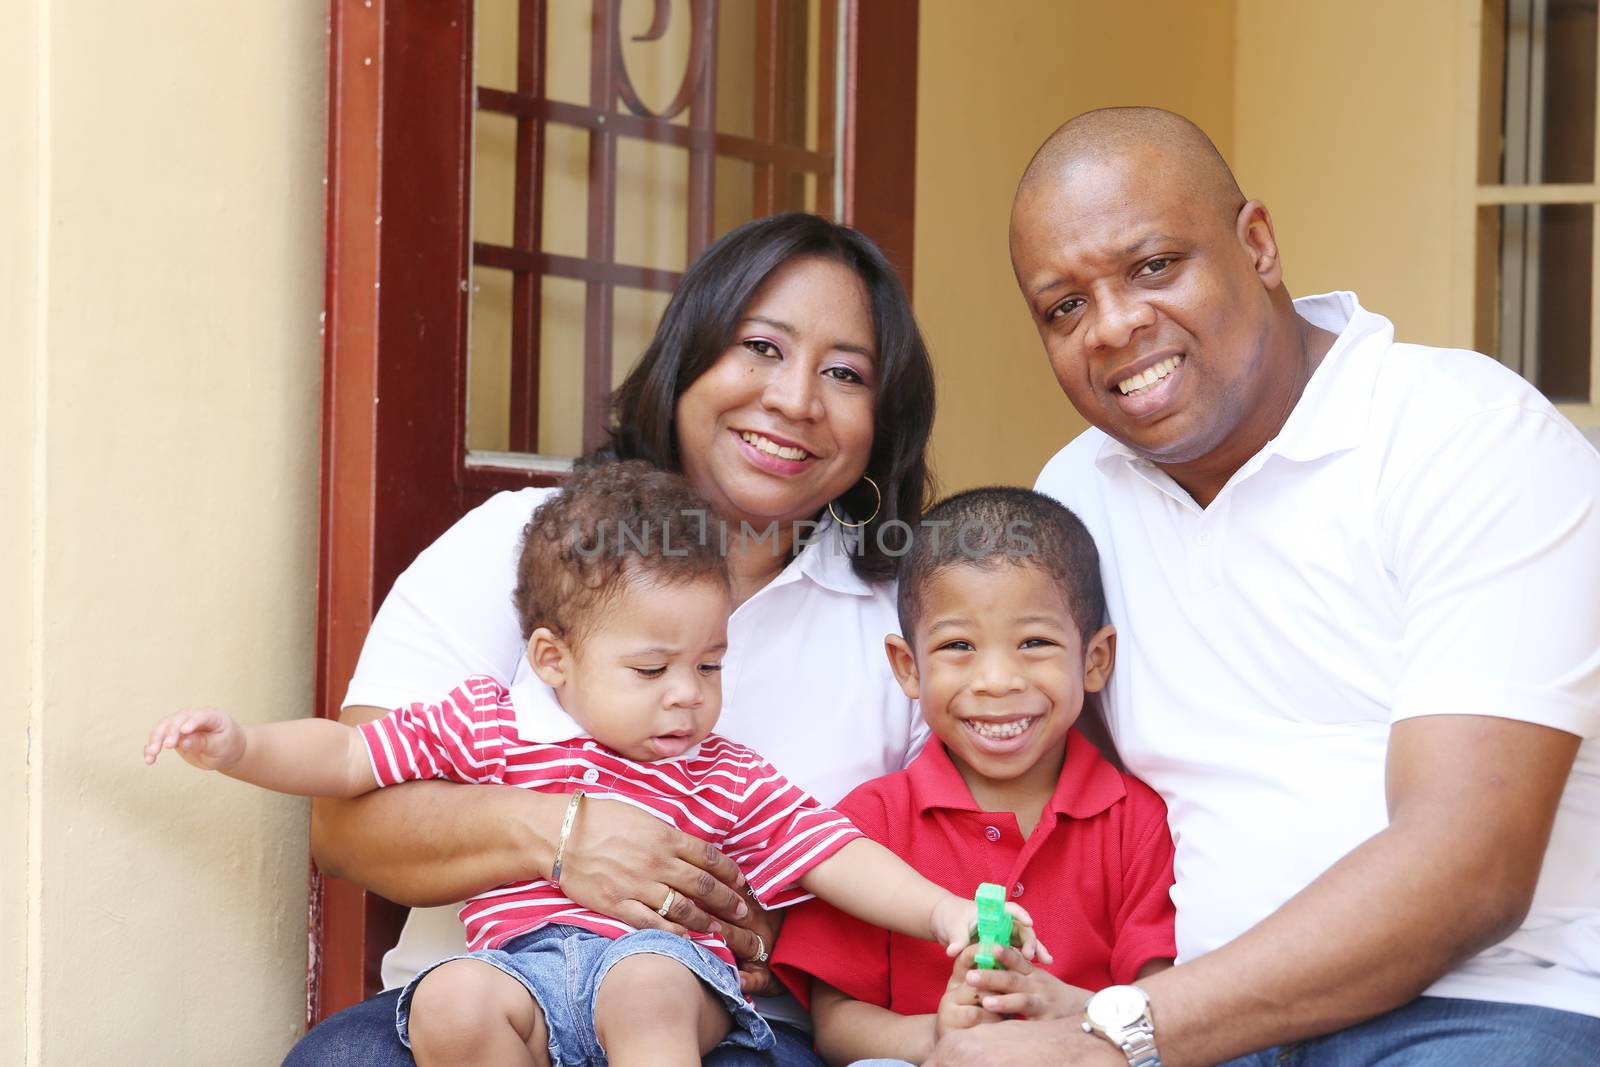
x: 1422, y: 538
x: 805, y: 681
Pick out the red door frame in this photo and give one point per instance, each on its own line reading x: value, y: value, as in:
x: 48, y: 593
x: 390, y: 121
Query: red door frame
x: 393, y: 472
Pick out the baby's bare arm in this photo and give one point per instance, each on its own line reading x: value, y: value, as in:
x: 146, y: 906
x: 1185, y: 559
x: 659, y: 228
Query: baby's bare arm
x: 306, y: 757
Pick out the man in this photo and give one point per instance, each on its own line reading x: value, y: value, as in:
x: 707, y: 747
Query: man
x: 1358, y: 585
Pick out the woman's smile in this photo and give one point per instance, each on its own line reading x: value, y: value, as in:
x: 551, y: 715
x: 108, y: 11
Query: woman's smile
x: 771, y: 454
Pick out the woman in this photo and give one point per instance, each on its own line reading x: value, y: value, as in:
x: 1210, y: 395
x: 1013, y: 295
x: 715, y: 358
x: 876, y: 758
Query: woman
x: 788, y: 382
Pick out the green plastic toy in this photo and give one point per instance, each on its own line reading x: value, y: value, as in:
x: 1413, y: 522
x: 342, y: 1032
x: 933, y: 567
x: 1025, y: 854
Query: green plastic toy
x: 994, y: 924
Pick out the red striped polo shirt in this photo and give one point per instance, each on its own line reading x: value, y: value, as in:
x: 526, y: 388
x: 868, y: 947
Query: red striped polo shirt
x: 1095, y: 874
x: 718, y: 791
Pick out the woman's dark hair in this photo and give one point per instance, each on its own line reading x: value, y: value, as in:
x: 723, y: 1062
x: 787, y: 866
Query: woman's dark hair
x: 701, y: 321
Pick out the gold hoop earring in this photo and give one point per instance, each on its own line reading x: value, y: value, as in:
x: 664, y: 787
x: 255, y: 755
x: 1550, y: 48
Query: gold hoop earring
x: 869, y: 518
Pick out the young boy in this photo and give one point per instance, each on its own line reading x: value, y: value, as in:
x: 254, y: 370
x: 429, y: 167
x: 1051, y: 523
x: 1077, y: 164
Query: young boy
x: 1001, y: 607
x: 624, y: 601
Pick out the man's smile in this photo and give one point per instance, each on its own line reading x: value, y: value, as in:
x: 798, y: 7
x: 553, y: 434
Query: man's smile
x: 1150, y: 387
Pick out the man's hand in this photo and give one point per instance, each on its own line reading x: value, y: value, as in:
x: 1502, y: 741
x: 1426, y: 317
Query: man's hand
x: 958, y: 1008
x: 749, y: 938
x: 620, y: 862
x: 1057, y: 1043
x: 1022, y: 989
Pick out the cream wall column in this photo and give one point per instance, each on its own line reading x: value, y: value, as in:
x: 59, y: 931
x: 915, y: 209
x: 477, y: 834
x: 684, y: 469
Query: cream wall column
x: 160, y: 482
x: 1347, y: 127
x: 993, y: 81
x: 19, y: 342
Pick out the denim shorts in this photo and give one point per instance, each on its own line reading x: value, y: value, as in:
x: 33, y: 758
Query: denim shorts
x: 562, y: 967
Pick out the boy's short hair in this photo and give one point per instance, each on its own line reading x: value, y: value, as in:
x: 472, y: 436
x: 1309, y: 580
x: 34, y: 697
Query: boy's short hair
x: 998, y: 525
x: 609, y: 523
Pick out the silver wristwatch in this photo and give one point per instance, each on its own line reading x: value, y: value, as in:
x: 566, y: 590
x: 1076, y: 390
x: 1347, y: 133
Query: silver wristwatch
x: 1121, y: 1015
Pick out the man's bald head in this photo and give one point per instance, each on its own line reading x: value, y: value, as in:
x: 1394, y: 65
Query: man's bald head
x: 1164, y: 146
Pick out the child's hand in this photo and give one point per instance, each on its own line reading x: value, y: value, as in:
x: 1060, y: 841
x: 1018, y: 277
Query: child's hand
x: 959, y: 1008
x: 1021, y: 989
x: 955, y: 919
x: 205, y: 737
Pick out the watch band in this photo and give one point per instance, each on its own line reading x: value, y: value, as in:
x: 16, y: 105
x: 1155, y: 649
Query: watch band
x: 1138, y: 1043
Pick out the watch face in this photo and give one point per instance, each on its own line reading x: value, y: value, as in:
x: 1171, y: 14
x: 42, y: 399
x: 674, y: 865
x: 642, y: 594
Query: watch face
x: 1117, y: 1007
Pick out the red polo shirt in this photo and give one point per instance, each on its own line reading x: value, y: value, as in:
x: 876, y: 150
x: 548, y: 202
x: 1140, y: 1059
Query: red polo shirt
x: 1094, y: 874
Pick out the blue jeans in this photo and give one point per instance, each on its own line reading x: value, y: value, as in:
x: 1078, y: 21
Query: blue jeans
x: 364, y: 1036
x: 562, y: 968
x: 1444, y: 1032
x: 1436, y: 1032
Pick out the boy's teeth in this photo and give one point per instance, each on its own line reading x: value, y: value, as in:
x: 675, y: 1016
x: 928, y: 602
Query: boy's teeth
x: 772, y: 448
x: 1000, y: 731
x: 1150, y: 377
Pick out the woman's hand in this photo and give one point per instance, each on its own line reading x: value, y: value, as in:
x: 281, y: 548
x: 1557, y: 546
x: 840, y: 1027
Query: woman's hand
x: 752, y: 940
x: 959, y: 1008
x: 1024, y: 990
x: 620, y: 862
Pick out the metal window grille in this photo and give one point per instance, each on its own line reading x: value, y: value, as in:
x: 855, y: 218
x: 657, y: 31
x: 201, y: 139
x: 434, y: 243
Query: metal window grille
x: 615, y: 110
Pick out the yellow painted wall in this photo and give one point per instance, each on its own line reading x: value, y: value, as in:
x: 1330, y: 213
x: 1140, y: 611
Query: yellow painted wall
x: 171, y: 421
x: 993, y: 80
x: 1348, y: 128
x: 19, y: 342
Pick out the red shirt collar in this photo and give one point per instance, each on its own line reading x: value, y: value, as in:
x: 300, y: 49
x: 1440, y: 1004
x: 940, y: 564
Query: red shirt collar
x: 1088, y: 785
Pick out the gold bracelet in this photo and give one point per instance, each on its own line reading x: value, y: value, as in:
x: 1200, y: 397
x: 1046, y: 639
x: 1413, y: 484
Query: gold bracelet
x: 561, y: 842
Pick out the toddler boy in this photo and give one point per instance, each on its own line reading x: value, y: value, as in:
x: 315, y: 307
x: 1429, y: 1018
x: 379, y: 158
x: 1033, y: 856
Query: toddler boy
x: 1001, y: 608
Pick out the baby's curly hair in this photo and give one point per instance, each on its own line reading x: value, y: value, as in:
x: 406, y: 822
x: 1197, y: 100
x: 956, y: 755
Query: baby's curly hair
x: 609, y: 523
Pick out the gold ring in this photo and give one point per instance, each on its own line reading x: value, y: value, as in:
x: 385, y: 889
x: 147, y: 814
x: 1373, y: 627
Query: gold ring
x: 666, y: 905
x: 761, y: 949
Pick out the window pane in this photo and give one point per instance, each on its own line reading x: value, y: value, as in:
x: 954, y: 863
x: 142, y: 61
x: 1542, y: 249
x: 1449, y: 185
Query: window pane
x: 569, y: 49
x: 1535, y: 310
x: 494, y: 177
x: 494, y: 35
x: 652, y: 204
x: 736, y: 68
x: 565, y: 217
x: 561, y: 376
x: 657, y: 68
x: 735, y: 186
x: 634, y: 315
x: 489, y: 377
x: 1547, y: 108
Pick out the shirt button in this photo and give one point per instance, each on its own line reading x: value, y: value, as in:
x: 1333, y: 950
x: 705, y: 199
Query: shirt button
x: 591, y: 776
x: 992, y: 833
x: 1017, y: 892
